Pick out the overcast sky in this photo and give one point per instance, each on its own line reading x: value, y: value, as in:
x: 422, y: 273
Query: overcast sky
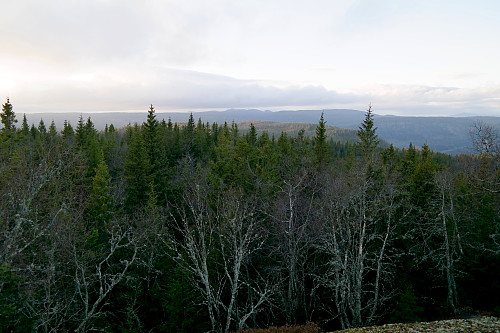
x: 403, y: 57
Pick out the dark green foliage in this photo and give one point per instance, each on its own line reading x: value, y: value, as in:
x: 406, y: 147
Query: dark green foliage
x: 87, y: 142
x: 252, y: 135
x: 137, y: 171
x: 407, y: 308
x: 68, y: 132
x: 25, y: 127
x: 368, y: 139
x: 42, y: 129
x: 321, y: 151
x: 181, y: 303
x: 101, y: 221
x: 8, y: 118
x: 101, y: 208
x: 34, y: 132
x: 419, y: 170
x: 151, y: 131
x: 80, y: 133
x: 12, y: 315
x: 389, y: 156
x: 52, y: 129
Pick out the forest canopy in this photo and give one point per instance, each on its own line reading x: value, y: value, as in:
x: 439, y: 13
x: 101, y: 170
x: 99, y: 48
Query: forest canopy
x: 195, y: 227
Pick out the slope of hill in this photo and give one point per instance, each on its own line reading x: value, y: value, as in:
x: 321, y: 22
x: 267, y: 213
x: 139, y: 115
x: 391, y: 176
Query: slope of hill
x: 292, y: 129
x: 443, y: 134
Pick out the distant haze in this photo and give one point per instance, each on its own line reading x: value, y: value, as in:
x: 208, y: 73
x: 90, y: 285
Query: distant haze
x: 435, y: 57
x: 443, y: 134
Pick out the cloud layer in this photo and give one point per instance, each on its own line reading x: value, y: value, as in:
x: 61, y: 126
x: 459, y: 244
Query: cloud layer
x: 121, y: 55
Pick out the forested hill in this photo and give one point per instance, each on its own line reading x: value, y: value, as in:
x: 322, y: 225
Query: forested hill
x: 196, y: 227
x: 293, y: 129
x: 444, y: 134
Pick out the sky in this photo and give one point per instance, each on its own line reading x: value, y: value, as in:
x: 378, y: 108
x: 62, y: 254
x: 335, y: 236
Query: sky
x: 436, y: 57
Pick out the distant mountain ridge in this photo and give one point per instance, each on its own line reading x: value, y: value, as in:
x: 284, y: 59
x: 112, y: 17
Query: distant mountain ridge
x: 443, y: 134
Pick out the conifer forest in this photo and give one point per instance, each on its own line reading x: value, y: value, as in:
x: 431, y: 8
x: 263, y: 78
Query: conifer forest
x: 198, y: 227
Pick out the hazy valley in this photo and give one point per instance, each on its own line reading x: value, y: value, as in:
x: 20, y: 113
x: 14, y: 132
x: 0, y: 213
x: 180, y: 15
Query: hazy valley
x: 443, y: 134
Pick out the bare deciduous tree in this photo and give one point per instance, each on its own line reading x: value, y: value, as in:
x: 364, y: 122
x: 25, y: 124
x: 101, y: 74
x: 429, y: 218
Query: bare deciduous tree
x: 485, y: 138
x: 94, y: 281
x: 219, y: 235
x: 294, y: 232
x: 447, y: 223
x: 358, y: 230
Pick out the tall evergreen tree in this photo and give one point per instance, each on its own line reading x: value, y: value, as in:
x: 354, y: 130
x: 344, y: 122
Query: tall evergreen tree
x: 367, y: 135
x: 320, y: 144
x: 190, y: 126
x: 80, y: 132
x: 137, y: 171
x: 188, y: 135
x: 42, y: 128
x: 252, y: 135
x: 25, y: 129
x: 150, y: 130
x: 155, y: 150
x: 52, y: 129
x: 101, y: 207
x: 8, y: 118
x: 68, y: 131
x: 90, y: 128
x: 34, y: 131
x: 234, y: 131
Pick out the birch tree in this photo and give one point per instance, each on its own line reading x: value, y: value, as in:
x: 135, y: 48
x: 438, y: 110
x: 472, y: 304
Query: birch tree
x: 294, y: 239
x: 358, y: 231
x: 96, y: 279
x: 220, y: 234
x: 447, y: 223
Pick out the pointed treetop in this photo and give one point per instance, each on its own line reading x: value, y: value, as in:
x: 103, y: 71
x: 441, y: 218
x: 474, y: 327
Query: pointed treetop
x: 367, y: 134
x: 320, y: 143
x: 252, y: 135
x: 8, y: 118
x: 151, y: 122
x: 41, y: 127
x: 52, y: 129
x: 25, y: 127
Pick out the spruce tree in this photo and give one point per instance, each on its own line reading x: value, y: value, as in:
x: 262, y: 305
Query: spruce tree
x: 80, y: 132
x: 137, y: 171
x: 25, y: 129
x: 90, y: 128
x: 42, y: 128
x: 34, y: 131
x: 8, y: 118
x: 189, y: 130
x: 320, y: 144
x: 52, y: 129
x: 68, y: 131
x: 252, y: 135
x: 188, y: 134
x: 367, y: 135
x: 150, y: 132
x: 101, y: 207
x: 234, y: 131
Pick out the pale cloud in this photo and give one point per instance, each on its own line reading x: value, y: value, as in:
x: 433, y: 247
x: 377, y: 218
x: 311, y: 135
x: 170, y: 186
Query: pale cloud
x: 78, y: 32
x: 436, y: 100
x: 171, y: 89
x: 121, y: 55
